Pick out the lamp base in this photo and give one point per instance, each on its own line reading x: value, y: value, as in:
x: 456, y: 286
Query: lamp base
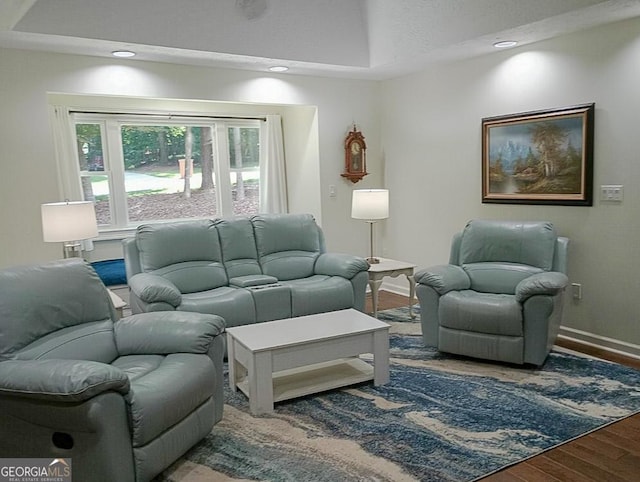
x: 371, y: 259
x: 72, y: 249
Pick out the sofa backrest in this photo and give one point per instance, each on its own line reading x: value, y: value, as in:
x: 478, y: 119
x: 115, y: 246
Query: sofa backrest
x: 238, y: 246
x: 497, y: 255
x: 199, y: 255
x: 287, y: 244
x: 187, y: 253
x: 530, y: 243
x: 59, y: 309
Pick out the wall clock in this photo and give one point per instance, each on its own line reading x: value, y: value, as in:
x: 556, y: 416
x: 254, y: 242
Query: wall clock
x: 355, y: 162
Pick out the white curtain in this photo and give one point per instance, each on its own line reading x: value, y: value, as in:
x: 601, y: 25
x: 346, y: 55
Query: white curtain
x: 66, y: 153
x: 273, y: 181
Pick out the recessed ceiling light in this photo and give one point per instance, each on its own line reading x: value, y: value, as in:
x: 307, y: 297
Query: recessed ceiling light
x: 278, y: 68
x: 503, y: 44
x: 123, y: 53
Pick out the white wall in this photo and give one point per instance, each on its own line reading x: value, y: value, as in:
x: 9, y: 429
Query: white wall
x: 27, y: 156
x: 431, y: 124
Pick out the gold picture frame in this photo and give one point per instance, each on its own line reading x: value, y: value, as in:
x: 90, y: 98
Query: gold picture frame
x: 539, y: 157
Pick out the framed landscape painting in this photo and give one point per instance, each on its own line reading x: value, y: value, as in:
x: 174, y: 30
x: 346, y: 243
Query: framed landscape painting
x: 540, y: 157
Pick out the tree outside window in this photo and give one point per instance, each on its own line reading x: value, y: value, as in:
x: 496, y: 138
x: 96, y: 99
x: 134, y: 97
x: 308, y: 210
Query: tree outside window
x: 152, y: 172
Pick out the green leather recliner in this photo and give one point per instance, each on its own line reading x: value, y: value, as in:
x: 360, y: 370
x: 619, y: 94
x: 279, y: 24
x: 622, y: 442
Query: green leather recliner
x: 501, y: 295
x: 123, y: 399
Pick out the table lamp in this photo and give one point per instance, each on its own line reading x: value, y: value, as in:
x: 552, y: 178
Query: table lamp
x: 69, y: 222
x: 370, y: 205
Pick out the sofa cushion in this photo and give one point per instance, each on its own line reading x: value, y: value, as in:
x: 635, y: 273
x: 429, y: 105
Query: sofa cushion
x: 234, y: 305
x: 238, y: 246
x: 88, y: 341
x: 531, y: 243
x: 165, y: 244
x: 164, y: 390
x: 498, y: 277
x: 186, y: 253
x: 486, y: 313
x: 59, y: 305
x: 288, y: 245
x: 193, y: 276
x: 289, y: 265
x: 318, y: 294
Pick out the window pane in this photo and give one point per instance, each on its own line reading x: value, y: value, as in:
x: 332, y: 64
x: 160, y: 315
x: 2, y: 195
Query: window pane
x: 89, y: 144
x: 244, y: 158
x: 164, y: 172
x: 94, y: 178
x: 99, y: 186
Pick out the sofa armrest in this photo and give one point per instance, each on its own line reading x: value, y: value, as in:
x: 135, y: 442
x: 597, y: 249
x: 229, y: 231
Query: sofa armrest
x: 55, y: 380
x: 152, y: 288
x: 443, y: 278
x: 165, y: 332
x: 339, y: 264
x: 548, y: 283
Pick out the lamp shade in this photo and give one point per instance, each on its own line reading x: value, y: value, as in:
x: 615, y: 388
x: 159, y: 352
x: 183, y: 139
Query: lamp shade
x: 68, y: 221
x: 370, y: 204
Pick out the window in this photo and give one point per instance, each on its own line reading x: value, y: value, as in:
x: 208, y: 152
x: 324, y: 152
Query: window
x: 137, y: 170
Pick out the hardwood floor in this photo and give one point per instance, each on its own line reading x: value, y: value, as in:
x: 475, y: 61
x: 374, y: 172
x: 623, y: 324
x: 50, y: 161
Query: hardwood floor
x: 611, y: 454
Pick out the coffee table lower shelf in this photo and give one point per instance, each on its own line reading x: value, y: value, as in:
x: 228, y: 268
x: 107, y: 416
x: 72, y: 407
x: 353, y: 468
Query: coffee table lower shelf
x: 319, y: 377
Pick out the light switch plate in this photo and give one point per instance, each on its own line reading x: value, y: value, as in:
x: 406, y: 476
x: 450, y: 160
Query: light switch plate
x: 611, y: 192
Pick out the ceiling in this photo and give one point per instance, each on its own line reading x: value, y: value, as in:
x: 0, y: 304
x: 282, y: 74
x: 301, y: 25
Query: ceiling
x: 364, y: 39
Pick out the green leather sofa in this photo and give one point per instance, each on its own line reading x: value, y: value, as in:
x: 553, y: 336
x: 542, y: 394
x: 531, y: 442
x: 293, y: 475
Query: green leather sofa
x: 245, y: 270
x: 122, y: 399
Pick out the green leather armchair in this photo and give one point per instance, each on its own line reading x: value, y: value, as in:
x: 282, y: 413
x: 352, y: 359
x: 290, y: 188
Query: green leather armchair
x: 123, y: 399
x: 501, y: 295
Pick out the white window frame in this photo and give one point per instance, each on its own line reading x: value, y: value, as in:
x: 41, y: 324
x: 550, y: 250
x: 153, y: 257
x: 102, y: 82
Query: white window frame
x: 275, y: 196
x: 111, y: 124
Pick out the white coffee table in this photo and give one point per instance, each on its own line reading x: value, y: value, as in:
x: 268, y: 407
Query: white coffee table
x: 278, y: 360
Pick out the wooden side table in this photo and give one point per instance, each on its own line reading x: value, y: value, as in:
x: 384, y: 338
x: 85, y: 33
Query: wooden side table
x: 393, y: 268
x: 118, y: 303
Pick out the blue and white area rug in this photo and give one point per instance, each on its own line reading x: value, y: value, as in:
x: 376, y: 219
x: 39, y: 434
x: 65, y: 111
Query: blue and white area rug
x: 441, y: 418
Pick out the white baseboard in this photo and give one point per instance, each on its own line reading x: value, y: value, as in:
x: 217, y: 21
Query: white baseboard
x: 394, y: 288
x: 604, y: 343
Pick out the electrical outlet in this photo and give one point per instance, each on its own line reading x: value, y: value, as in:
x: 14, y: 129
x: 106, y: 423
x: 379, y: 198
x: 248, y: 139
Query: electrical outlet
x: 611, y: 192
x: 576, y: 288
x: 332, y: 191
